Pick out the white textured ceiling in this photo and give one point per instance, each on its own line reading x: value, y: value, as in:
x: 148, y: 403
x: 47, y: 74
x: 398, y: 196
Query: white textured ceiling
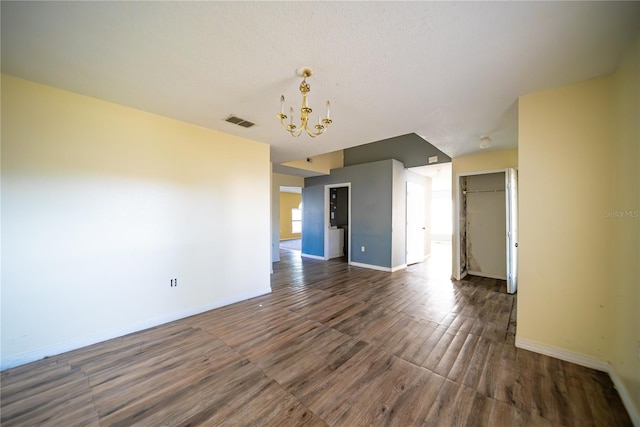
x: 447, y: 71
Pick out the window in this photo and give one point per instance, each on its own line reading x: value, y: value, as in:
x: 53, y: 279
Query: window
x: 296, y: 219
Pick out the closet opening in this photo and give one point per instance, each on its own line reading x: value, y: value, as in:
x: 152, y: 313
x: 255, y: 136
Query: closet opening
x: 487, y: 226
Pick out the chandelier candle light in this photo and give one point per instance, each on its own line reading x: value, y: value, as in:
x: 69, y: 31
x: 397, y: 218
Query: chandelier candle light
x: 295, y: 131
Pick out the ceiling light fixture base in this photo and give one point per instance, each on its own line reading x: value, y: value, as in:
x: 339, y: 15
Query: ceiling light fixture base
x: 304, y: 72
x: 485, y: 142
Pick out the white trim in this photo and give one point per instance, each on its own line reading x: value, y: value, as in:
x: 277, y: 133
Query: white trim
x: 379, y: 267
x: 312, y: 256
x: 54, y: 350
x: 589, y: 362
x: 634, y: 414
x: 482, y: 172
x: 457, y: 274
x: 489, y: 275
x: 371, y: 266
x: 399, y: 267
x: 407, y: 232
x: 562, y: 354
x: 327, y: 221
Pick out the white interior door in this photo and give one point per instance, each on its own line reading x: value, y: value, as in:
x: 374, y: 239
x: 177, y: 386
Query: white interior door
x: 415, y: 223
x: 511, y: 192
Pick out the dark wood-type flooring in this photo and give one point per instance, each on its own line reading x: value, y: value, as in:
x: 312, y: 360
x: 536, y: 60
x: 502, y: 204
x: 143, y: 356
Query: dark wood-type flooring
x: 331, y: 345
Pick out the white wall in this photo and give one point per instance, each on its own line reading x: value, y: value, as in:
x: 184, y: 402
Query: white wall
x: 102, y: 205
x: 398, y: 215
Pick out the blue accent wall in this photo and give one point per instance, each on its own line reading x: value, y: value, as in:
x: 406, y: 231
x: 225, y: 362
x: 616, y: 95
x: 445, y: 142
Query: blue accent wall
x: 312, y: 220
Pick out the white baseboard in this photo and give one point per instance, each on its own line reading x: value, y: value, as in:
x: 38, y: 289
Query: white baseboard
x: 379, y: 268
x: 399, y: 267
x: 54, y: 350
x: 589, y: 362
x: 562, y: 354
x: 634, y: 413
x: 321, y: 258
x: 489, y: 275
x: 371, y: 266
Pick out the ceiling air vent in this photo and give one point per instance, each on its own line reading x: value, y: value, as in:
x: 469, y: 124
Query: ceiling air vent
x: 240, y: 122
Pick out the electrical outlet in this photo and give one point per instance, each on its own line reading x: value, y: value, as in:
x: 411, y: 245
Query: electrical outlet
x: 362, y: 249
x: 172, y: 283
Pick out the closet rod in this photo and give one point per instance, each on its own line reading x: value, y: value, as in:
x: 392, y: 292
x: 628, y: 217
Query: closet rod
x: 482, y: 191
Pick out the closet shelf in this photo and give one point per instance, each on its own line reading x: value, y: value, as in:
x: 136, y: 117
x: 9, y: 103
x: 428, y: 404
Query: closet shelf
x: 482, y: 191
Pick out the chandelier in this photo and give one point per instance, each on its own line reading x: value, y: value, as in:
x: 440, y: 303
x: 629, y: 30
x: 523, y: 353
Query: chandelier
x: 295, y: 131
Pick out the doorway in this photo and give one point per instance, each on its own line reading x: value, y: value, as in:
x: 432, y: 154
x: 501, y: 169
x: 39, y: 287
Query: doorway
x: 290, y: 234
x: 486, y: 226
x: 416, y: 223
x: 337, y: 220
x: 438, y: 211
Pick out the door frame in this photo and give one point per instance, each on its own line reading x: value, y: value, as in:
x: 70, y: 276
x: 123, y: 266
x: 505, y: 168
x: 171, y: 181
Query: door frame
x: 511, y: 194
x: 327, y: 221
x: 457, y: 273
x: 408, y: 233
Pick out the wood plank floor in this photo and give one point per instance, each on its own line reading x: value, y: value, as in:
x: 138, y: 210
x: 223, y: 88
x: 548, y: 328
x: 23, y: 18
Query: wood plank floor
x: 331, y: 345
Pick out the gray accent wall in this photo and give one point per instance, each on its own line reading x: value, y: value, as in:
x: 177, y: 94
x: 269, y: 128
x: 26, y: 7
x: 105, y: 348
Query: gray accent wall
x: 410, y: 149
x: 312, y: 220
x: 378, y: 203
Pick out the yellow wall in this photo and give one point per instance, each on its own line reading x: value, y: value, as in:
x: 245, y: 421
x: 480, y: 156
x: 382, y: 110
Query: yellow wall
x: 564, y: 182
x: 288, y: 201
x: 624, y: 322
x: 102, y: 205
x: 578, y: 172
x: 322, y: 163
x: 278, y: 180
x: 482, y: 161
